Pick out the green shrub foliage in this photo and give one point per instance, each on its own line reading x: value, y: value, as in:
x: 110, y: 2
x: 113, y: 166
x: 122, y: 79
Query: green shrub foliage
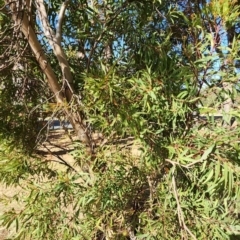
x: 166, y: 168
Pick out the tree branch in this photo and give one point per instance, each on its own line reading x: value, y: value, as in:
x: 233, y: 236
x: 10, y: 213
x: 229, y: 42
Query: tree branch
x: 29, y: 33
x: 42, y: 14
x: 60, y: 21
x: 75, y: 119
x: 56, y: 45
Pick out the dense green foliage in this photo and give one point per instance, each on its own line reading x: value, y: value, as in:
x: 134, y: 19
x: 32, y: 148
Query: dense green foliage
x: 159, y: 173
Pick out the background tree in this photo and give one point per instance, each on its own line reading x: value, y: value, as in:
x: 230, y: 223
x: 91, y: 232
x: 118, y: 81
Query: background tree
x: 134, y: 71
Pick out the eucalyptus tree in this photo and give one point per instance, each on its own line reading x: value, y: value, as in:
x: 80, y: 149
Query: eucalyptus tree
x: 134, y: 71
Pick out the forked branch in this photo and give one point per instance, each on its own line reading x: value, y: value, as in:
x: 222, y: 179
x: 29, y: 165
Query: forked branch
x: 179, y: 210
x: 20, y: 18
x: 55, y: 42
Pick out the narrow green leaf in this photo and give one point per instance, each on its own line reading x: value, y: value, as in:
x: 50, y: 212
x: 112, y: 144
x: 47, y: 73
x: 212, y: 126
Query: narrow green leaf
x: 208, y: 152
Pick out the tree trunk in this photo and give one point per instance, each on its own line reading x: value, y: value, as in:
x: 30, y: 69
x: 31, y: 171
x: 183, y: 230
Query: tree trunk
x: 21, y: 18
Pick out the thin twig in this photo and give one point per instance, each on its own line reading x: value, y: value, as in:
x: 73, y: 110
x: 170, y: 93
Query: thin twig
x: 62, y: 161
x: 184, y: 166
x: 179, y: 210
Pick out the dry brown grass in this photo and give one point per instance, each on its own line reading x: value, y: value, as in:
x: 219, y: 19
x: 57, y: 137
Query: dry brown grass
x: 5, y: 193
x: 55, y: 149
